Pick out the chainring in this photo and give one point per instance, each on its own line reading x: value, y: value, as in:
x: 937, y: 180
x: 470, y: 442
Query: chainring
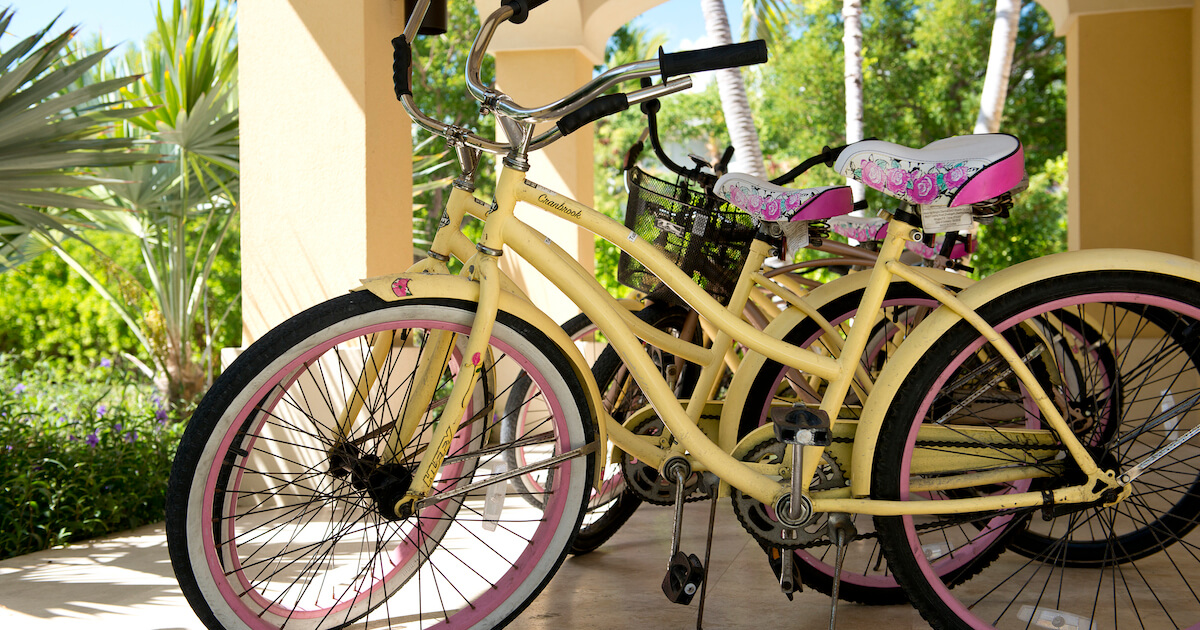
x: 759, y: 518
x: 644, y: 480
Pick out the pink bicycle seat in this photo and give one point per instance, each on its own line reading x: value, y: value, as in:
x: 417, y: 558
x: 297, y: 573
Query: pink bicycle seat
x: 767, y: 202
x: 957, y: 171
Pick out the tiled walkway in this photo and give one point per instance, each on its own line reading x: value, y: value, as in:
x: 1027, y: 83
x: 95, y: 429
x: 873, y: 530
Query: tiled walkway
x: 125, y: 583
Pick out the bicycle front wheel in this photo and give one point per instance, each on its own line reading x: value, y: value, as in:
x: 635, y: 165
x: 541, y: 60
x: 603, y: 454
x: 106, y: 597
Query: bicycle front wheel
x: 278, y: 505
x: 1120, y: 350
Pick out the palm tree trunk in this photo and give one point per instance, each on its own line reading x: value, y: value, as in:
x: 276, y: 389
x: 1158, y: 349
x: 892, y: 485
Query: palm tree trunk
x: 852, y: 42
x: 995, y: 82
x: 738, y: 118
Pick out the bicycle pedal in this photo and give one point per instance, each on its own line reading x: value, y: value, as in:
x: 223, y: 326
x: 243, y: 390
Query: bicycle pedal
x: 775, y: 560
x: 685, y: 573
x: 803, y: 426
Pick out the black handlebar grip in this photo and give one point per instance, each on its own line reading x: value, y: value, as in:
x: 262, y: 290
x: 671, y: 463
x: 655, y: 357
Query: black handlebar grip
x: 401, y: 67
x: 731, y: 56
x: 595, y: 110
x: 521, y: 9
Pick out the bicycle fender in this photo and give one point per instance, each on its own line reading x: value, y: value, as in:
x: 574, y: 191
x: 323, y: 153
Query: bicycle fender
x: 406, y: 286
x: 752, y: 362
x: 976, y: 296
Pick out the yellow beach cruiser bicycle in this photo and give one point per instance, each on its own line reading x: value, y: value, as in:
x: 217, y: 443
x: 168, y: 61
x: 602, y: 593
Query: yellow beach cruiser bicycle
x: 1028, y: 451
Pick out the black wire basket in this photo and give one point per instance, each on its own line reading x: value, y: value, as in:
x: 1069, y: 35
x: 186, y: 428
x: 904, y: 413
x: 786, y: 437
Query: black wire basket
x: 704, y: 236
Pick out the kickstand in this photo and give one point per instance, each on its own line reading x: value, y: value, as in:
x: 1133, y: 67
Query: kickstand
x: 712, y: 519
x: 842, y: 531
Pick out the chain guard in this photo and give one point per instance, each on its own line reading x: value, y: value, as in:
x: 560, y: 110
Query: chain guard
x: 644, y: 480
x: 759, y: 519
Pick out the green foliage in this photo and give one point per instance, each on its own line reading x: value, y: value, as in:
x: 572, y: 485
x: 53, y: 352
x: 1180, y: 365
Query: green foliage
x: 50, y: 135
x: 1036, y: 227
x: 81, y: 456
x: 50, y: 316
x: 171, y: 273
x: 924, y: 64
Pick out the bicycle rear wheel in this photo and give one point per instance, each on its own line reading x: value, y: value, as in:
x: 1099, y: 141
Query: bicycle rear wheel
x: 865, y: 577
x: 1125, y: 565
x: 274, y: 516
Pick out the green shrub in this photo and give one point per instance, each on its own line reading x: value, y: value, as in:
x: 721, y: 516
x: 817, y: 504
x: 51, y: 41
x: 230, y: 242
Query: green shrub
x: 49, y: 315
x: 80, y: 457
x: 1037, y: 225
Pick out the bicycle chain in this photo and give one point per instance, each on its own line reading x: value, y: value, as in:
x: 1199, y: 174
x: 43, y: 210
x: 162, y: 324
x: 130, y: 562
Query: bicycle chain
x: 820, y: 539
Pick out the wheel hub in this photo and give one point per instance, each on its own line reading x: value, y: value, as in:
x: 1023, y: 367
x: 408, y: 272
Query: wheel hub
x: 386, y: 484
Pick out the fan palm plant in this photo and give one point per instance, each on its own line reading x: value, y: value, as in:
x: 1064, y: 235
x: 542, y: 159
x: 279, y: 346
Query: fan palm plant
x: 179, y: 207
x: 52, y: 138
x: 182, y: 207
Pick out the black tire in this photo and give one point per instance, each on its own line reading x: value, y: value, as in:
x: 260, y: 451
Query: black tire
x: 1127, y: 565
x: 276, y: 519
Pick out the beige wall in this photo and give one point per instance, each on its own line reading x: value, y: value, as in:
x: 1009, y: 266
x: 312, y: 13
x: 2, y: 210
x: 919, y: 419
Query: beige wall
x: 326, y: 166
x: 1129, y: 131
x: 533, y: 78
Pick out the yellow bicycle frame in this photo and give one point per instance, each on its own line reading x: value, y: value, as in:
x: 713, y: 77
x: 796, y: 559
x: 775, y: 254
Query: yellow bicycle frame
x: 626, y: 334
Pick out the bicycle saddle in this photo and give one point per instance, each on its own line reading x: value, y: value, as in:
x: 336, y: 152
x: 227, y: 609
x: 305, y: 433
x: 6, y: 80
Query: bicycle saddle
x: 957, y: 171
x: 767, y: 202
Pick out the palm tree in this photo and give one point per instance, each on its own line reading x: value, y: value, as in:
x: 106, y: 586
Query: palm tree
x: 52, y: 138
x: 739, y: 119
x: 852, y: 44
x: 995, y: 82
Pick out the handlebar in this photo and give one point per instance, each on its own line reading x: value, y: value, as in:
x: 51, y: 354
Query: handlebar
x: 521, y: 9
x: 571, y: 112
x: 718, y: 58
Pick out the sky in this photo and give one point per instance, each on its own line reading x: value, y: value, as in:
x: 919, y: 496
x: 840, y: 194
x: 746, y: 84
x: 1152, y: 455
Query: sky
x: 130, y: 20
x: 117, y: 20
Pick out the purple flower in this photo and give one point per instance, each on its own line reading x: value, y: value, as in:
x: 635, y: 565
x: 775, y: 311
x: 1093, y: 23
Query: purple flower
x: 93, y: 439
x: 105, y: 363
x: 8, y: 447
x: 161, y: 415
x: 101, y: 410
x: 20, y: 388
x: 924, y: 188
x: 131, y: 437
x: 118, y: 426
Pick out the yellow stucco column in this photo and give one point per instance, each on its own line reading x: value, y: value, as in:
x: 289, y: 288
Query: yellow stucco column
x: 1130, y: 118
x: 534, y: 78
x: 1195, y: 133
x: 326, y: 153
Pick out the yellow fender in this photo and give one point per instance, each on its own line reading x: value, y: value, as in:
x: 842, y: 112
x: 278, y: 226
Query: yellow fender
x: 406, y: 286
x: 977, y: 295
x: 739, y: 387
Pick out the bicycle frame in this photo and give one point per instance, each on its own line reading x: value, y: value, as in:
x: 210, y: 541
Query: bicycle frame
x: 626, y: 333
